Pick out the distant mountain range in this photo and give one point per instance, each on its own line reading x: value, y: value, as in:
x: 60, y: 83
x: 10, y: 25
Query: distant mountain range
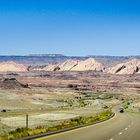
x: 43, y: 59
x: 54, y: 62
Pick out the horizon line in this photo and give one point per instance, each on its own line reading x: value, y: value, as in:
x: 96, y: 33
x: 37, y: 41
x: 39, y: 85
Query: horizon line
x: 64, y: 55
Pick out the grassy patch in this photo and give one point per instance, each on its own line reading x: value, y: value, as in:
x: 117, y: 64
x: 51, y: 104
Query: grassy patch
x: 23, y: 132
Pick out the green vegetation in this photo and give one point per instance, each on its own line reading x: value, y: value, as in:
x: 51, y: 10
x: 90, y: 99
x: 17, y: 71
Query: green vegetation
x: 22, y: 132
x: 103, y: 95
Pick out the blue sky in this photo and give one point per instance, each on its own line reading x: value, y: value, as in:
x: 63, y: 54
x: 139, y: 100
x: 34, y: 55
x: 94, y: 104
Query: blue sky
x: 70, y: 27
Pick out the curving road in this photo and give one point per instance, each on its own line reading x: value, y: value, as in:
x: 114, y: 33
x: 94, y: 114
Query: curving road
x: 122, y: 127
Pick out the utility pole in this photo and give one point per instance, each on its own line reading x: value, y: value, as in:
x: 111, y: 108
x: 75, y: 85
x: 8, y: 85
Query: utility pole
x: 27, y: 120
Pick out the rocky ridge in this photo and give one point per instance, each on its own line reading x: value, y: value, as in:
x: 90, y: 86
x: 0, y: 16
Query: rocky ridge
x: 130, y: 67
x: 7, y: 66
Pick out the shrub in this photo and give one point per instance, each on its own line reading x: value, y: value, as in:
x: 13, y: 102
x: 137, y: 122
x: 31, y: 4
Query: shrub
x: 4, y: 110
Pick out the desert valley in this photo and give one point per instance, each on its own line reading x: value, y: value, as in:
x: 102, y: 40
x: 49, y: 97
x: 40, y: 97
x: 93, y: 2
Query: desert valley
x: 65, y: 88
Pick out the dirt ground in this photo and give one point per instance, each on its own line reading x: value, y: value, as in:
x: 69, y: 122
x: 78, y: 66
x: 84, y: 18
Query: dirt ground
x: 49, y: 97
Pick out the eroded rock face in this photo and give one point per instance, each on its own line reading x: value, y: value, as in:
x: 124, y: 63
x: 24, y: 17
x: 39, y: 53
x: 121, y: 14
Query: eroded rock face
x: 68, y: 65
x: 11, y: 83
x: 76, y: 65
x: 88, y: 64
x: 12, y: 66
x: 130, y: 67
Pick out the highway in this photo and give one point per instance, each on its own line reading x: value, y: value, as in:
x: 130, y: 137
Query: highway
x: 123, y: 126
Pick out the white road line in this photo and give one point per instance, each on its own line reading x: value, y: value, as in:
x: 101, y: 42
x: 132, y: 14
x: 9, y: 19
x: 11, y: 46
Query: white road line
x: 120, y: 133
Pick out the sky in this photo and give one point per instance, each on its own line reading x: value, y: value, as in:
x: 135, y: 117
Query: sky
x: 70, y: 27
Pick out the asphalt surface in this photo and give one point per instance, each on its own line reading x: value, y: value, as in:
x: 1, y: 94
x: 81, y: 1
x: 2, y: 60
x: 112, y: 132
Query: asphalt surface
x: 123, y: 126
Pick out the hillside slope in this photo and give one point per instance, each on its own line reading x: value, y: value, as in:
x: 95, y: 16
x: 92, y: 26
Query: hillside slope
x: 130, y: 67
x: 12, y: 66
x: 74, y: 65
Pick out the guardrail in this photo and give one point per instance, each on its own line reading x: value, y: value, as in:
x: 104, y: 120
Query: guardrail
x: 65, y: 129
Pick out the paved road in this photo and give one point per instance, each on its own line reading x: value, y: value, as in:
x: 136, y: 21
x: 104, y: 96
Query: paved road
x: 122, y: 127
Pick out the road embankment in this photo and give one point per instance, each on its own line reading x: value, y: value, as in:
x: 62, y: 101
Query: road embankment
x: 41, y: 131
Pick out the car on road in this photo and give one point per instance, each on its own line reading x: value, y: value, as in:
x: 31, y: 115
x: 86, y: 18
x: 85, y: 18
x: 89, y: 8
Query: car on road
x: 121, y: 110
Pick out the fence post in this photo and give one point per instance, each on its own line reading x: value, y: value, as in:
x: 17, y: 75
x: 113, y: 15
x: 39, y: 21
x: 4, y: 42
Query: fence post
x: 27, y: 120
